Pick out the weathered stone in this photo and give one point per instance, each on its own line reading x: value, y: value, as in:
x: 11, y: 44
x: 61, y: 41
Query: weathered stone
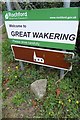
x: 39, y: 87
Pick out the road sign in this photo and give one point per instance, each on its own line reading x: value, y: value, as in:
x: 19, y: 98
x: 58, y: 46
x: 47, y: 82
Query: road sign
x: 55, y: 29
x: 44, y: 57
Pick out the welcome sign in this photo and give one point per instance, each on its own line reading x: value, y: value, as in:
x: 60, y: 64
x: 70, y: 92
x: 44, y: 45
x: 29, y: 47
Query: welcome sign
x: 49, y: 28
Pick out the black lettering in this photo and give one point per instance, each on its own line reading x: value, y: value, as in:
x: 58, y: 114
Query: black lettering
x: 72, y: 37
x: 41, y: 35
x: 57, y: 35
x: 21, y: 34
x: 25, y: 34
x: 61, y: 36
x: 10, y: 25
x: 35, y: 34
x: 28, y: 34
x: 12, y: 33
x: 65, y: 37
x: 17, y: 33
x: 51, y: 35
x: 46, y: 35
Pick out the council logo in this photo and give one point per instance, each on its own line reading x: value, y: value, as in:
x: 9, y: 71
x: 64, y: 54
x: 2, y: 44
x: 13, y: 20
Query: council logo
x: 6, y: 16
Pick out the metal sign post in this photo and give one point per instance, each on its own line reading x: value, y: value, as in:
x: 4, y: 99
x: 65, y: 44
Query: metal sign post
x: 66, y: 5
x: 9, y: 9
x: 8, y: 5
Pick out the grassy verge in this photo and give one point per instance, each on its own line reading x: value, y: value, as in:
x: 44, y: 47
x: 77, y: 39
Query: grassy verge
x: 0, y: 75
x: 61, y: 100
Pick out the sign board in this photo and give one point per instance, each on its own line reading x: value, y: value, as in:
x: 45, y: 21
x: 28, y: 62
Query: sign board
x: 44, y: 57
x: 49, y: 28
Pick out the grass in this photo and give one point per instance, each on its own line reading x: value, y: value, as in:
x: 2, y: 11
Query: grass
x: 64, y: 105
x: 18, y: 99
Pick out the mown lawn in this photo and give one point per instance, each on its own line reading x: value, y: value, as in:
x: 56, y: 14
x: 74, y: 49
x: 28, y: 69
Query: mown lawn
x: 62, y: 100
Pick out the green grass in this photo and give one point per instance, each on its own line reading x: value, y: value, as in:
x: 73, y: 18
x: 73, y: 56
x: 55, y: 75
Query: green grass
x: 17, y: 99
x: 67, y: 104
x: 3, y: 30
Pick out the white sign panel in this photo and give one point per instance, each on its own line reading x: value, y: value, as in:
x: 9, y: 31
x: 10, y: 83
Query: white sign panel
x: 50, y: 31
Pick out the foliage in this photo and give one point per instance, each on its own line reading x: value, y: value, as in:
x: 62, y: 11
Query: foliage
x: 6, y: 49
x: 2, y: 6
x: 17, y: 99
x: 3, y: 30
x: 40, y: 5
x: 75, y: 4
x: 67, y: 104
x: 78, y: 41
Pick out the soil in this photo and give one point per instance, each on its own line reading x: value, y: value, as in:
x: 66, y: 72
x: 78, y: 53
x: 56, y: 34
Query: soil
x: 22, y: 111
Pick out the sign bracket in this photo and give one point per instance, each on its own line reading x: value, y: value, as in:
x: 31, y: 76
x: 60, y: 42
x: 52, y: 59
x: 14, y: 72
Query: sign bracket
x: 66, y: 5
x: 21, y: 65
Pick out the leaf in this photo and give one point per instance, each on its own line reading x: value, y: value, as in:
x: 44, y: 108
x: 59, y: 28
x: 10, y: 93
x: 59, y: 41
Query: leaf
x: 7, y: 88
x: 5, y: 81
x: 58, y: 91
x: 34, y: 103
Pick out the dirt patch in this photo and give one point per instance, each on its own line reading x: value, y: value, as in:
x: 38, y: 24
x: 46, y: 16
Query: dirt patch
x: 11, y: 111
